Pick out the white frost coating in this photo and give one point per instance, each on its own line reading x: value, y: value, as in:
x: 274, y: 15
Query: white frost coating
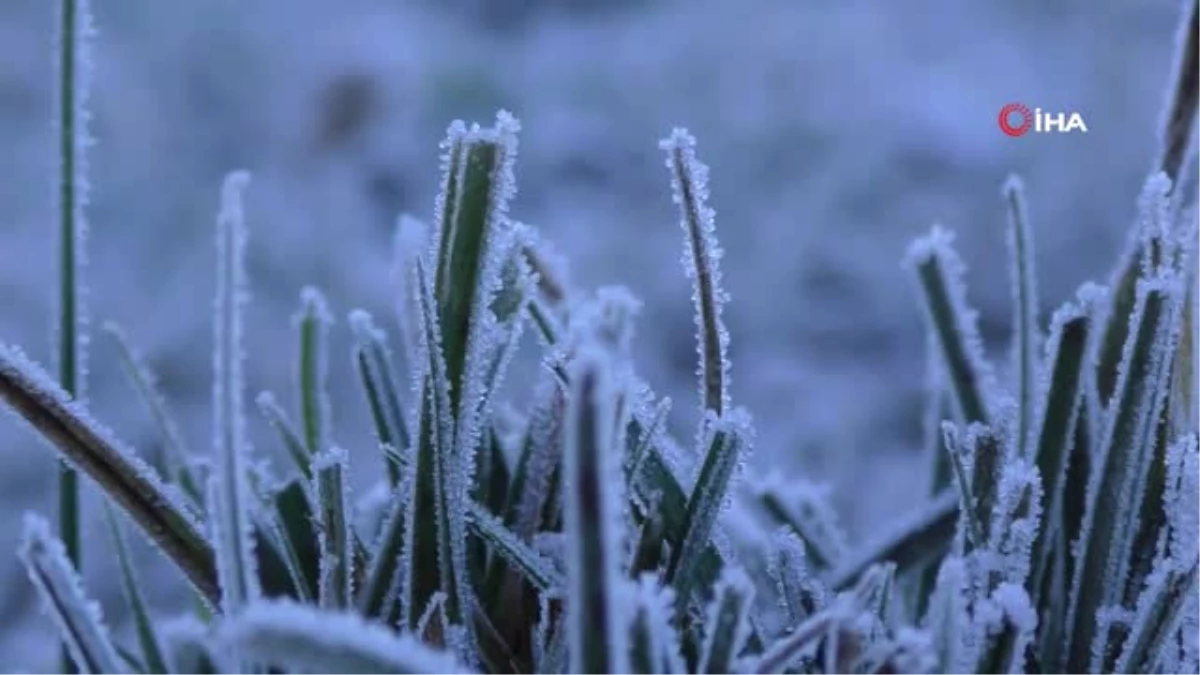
x: 72, y: 187
x: 185, y: 639
x: 292, y: 636
x: 656, y: 604
x: 948, y: 616
x: 370, y: 508
x: 1016, y: 518
x: 1181, y: 497
x: 1154, y: 222
x: 79, y: 619
x: 231, y: 511
x: 1018, y: 612
x: 808, y: 506
x: 938, y: 246
x: 530, y: 561
x: 701, y: 262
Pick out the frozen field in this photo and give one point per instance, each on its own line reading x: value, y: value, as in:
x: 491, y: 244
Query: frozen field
x: 836, y: 132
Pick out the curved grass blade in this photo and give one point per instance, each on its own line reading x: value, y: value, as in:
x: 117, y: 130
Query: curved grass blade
x: 147, y: 634
x: 535, y: 567
x: 33, y: 395
x: 301, y: 638
x: 78, y: 617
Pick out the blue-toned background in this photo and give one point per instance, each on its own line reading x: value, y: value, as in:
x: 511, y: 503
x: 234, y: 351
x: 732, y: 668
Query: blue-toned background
x: 836, y: 132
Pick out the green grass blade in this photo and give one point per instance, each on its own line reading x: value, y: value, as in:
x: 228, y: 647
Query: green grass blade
x: 726, y: 451
x: 1103, y: 563
x: 312, y: 324
x: 1027, y: 335
x: 939, y: 273
x: 277, y: 418
x: 786, y: 650
x: 229, y: 495
x: 535, y: 567
x: 332, y: 491
x: 385, y: 572
x: 80, y: 624
x: 147, y: 634
x: 689, y: 181
x: 373, y: 361
x: 593, y: 523
x: 135, y: 487
x: 175, y: 458
x: 1179, y: 120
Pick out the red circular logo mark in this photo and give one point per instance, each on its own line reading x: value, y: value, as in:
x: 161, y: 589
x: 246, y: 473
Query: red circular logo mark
x: 1015, y: 110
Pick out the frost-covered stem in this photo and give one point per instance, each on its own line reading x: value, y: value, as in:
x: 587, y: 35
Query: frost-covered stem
x: 785, y: 651
x: 313, y: 324
x: 231, y: 513
x: 71, y: 200
x: 1159, y: 610
x: 334, y: 537
x: 78, y: 617
x: 1025, y: 309
x: 728, y: 441
x: 689, y: 182
x: 299, y: 638
x: 373, y: 361
x: 591, y: 502
x: 32, y: 393
x: 654, y: 642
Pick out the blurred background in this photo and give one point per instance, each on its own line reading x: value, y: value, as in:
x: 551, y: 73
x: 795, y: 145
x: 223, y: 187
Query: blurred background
x: 836, y: 132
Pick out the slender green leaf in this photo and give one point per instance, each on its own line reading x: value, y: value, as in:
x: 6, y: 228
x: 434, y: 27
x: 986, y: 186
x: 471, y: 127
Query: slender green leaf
x: 312, y: 324
x: 332, y: 492
x: 1027, y: 335
x: 373, y: 360
x: 147, y: 634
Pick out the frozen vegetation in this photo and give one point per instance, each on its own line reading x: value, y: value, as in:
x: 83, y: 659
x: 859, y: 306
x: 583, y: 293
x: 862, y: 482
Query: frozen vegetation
x: 452, y: 458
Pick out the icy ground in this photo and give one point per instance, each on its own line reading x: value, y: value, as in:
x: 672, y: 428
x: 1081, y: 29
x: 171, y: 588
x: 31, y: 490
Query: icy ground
x: 836, y: 131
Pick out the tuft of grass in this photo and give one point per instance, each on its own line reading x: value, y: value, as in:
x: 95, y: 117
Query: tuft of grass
x: 1060, y: 532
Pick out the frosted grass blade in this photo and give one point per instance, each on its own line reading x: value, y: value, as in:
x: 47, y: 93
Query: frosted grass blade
x: 689, y: 183
x: 730, y: 437
x: 534, y: 566
x: 1104, y: 551
x: 74, y: 65
x: 332, y: 491
x: 147, y: 634
x: 1159, y: 610
x: 176, y: 455
x: 386, y: 569
x: 786, y: 650
x: 591, y: 500
x: 922, y: 535
x: 939, y: 273
x: 1027, y: 335
x: 1070, y: 328
x: 1004, y: 644
x: 230, y: 502
x: 653, y: 640
x: 301, y: 638
x: 278, y: 420
x: 79, y: 621
x: 90, y: 448
x: 373, y: 361
x: 728, y: 625
x: 1179, y: 118
x: 312, y: 325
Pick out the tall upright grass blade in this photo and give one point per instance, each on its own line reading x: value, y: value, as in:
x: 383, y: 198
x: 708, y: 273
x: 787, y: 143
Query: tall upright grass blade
x: 728, y: 622
x: 1158, y: 613
x: 78, y: 617
x: 689, y: 183
x: 147, y: 633
x: 592, y: 500
x: 1117, y: 484
x: 125, y: 478
x: 231, y: 515
x: 312, y: 324
x: 1179, y: 119
x: 1027, y: 335
x: 387, y: 571
x: 303, y: 639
